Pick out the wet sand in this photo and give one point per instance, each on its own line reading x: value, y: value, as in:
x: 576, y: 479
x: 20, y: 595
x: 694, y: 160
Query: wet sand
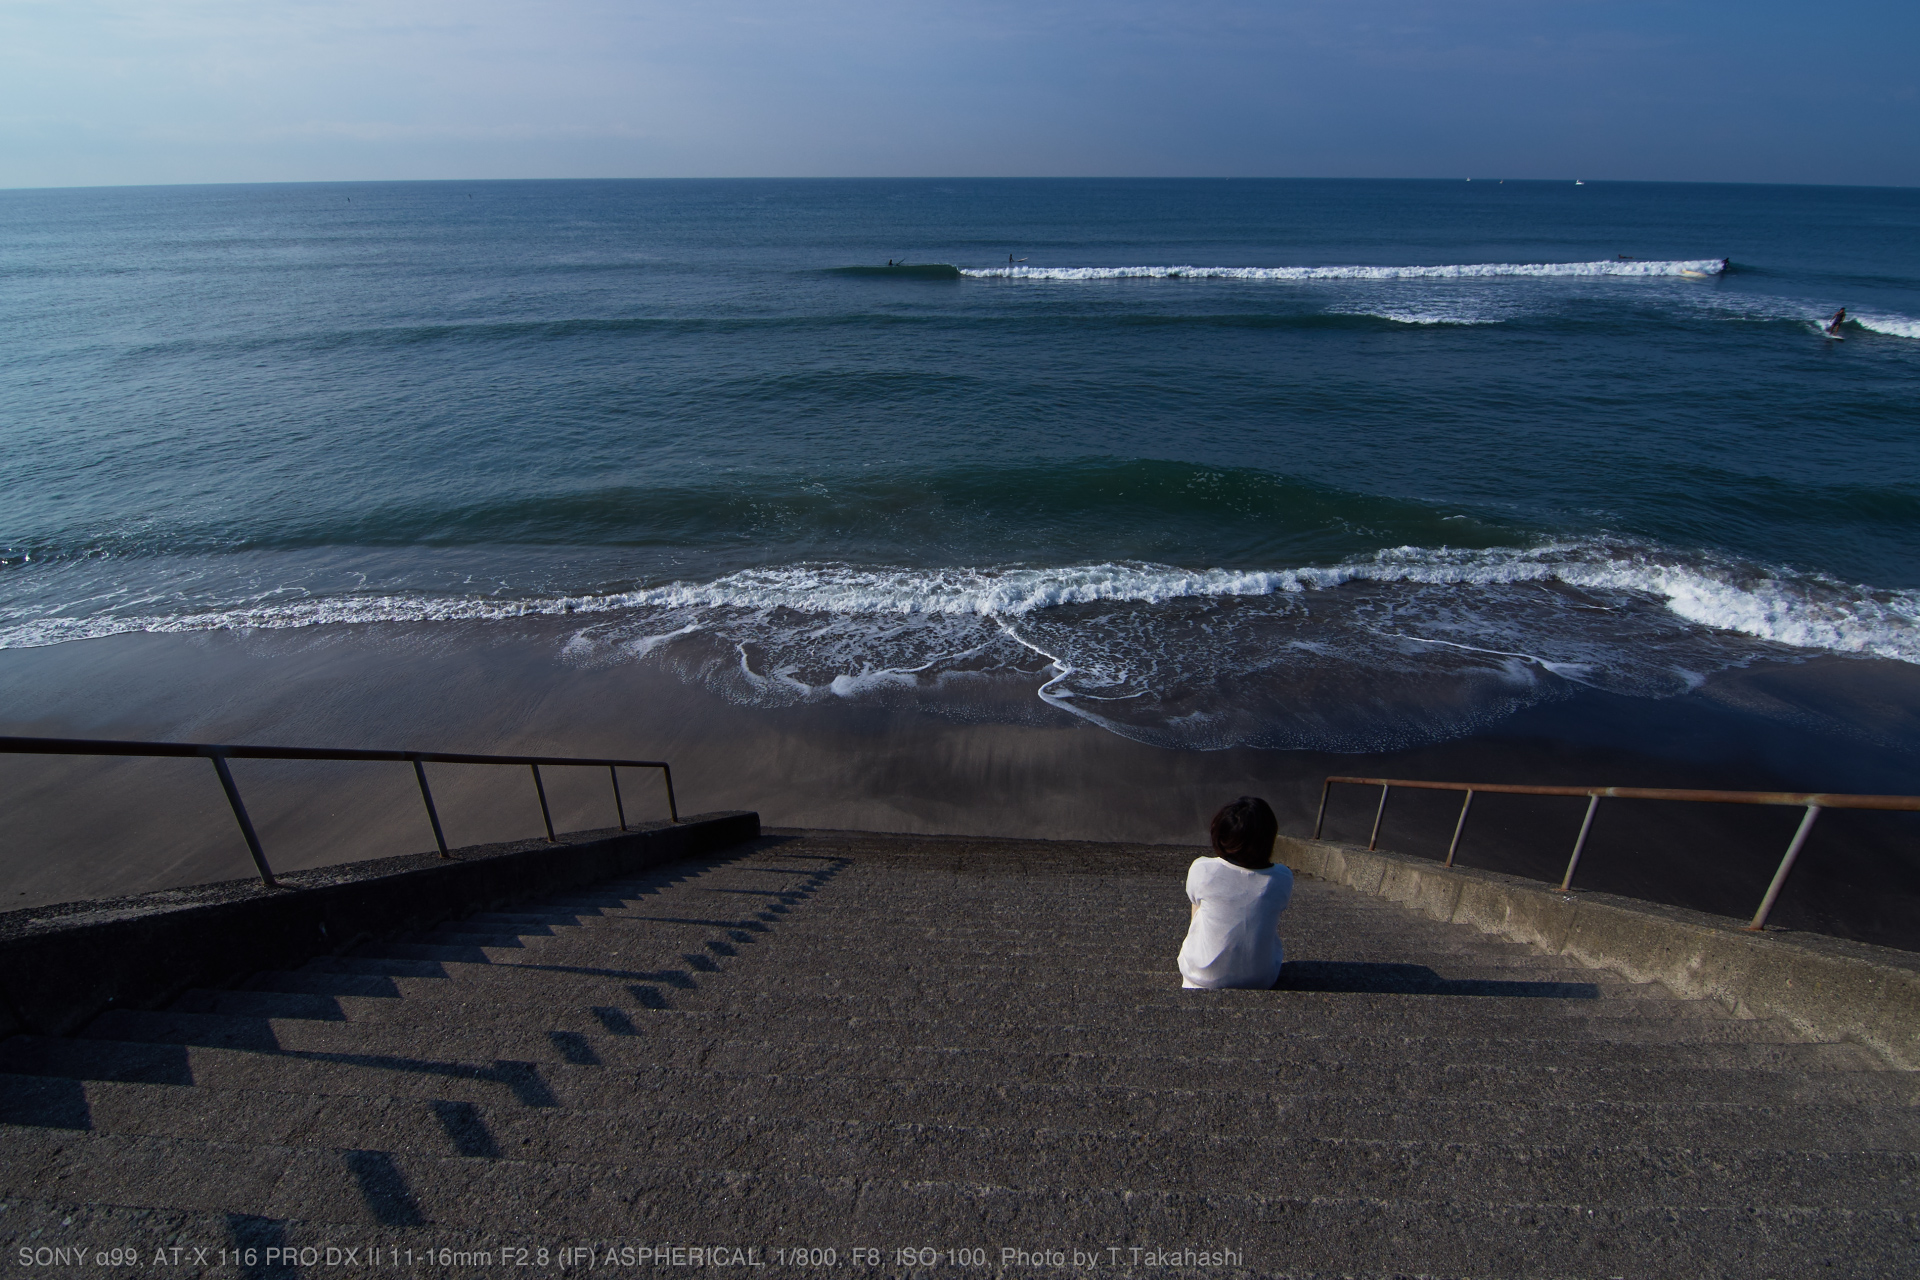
x: 1001, y: 765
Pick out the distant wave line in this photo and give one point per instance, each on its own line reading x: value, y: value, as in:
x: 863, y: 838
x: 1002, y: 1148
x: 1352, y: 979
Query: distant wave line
x: 1468, y: 271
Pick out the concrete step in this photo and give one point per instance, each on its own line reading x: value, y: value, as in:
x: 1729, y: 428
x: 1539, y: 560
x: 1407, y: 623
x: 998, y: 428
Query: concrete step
x: 549, y: 1083
x: 704, y: 1102
x: 928, y: 979
x: 485, y: 1041
x: 1064, y: 951
x: 368, y: 1190
x: 1098, y: 939
x: 697, y: 983
x: 572, y: 985
x: 799, y: 969
x: 681, y: 987
x: 1317, y: 1016
x: 826, y: 919
x: 692, y: 987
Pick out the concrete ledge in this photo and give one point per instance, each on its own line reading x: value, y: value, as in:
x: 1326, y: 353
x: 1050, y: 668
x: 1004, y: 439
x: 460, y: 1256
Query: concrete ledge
x: 1825, y: 988
x: 61, y: 965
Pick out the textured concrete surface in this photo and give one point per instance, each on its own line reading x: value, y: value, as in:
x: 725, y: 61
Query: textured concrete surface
x: 973, y: 1050
x: 1826, y: 988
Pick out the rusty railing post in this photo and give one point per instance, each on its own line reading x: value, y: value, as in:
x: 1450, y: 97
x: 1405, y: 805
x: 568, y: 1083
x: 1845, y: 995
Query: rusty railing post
x: 1320, y: 818
x: 1786, y: 865
x: 433, y: 815
x: 613, y: 776
x: 673, y: 808
x: 545, y: 816
x: 1458, y: 827
x: 1373, y: 840
x: 240, y: 816
x: 1586, y: 825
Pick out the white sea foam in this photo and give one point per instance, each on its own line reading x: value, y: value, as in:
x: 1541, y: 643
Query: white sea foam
x: 1800, y: 610
x: 1402, y: 646
x: 1803, y: 611
x: 1892, y: 326
x: 1407, y: 315
x: 1466, y: 271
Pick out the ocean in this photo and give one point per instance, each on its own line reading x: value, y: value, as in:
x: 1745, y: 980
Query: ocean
x: 1325, y: 465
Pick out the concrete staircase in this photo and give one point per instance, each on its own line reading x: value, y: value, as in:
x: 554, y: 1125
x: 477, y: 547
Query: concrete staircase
x: 869, y: 1044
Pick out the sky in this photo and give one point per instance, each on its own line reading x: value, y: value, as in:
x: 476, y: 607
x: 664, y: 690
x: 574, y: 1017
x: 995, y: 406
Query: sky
x: 125, y: 92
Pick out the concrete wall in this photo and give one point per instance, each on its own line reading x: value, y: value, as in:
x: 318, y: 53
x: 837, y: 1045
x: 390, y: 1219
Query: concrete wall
x: 61, y: 965
x: 1825, y: 988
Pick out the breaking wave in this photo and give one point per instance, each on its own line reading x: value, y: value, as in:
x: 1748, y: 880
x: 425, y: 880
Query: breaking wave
x: 1778, y: 606
x: 1407, y: 315
x: 1468, y: 271
x: 1403, y: 645
x: 1892, y: 326
x: 1406, y: 645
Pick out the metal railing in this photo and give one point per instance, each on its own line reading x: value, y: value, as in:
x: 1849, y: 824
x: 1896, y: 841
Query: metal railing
x: 1812, y: 801
x: 220, y: 754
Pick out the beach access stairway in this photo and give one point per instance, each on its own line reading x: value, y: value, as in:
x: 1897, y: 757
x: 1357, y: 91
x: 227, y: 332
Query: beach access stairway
x: 821, y: 1041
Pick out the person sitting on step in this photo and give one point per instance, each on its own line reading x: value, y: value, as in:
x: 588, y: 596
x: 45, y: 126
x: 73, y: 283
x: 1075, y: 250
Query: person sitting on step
x: 1237, y: 895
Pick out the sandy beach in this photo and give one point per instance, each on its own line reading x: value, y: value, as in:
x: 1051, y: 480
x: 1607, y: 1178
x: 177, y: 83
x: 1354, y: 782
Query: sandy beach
x: 998, y: 764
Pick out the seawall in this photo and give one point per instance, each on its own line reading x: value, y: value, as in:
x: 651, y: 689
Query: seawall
x: 1826, y: 988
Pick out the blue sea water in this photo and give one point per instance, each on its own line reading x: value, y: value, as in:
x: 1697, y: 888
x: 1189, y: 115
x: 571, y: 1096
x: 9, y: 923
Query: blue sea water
x: 1328, y: 464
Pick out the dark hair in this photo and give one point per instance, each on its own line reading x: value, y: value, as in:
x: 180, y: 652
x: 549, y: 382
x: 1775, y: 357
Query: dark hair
x: 1243, y: 833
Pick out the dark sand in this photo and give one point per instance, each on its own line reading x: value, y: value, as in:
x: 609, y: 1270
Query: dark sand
x: 1006, y: 766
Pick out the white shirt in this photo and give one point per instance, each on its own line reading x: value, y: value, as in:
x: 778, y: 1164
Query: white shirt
x: 1234, y: 940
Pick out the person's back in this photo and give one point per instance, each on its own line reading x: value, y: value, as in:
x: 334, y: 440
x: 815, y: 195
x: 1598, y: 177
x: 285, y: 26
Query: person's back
x: 1233, y: 935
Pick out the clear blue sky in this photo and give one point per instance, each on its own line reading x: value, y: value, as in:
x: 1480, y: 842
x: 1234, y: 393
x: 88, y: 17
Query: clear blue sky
x: 154, y: 91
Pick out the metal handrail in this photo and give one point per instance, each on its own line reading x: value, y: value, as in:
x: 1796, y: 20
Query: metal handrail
x: 1812, y: 801
x: 221, y: 753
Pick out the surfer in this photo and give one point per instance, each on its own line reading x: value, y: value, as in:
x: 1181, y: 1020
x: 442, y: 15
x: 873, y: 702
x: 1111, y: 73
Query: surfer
x: 1833, y: 325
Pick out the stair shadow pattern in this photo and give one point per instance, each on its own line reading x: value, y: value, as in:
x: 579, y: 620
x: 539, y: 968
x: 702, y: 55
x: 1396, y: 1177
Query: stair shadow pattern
x: 865, y: 1042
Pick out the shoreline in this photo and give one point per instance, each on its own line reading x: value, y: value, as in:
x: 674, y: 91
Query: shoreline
x: 1000, y: 764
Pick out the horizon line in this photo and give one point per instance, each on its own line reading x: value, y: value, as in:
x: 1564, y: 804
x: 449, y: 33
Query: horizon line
x: 342, y: 182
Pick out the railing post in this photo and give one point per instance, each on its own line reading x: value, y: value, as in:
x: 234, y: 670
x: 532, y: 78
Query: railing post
x: 1586, y: 825
x: 1320, y: 818
x: 1786, y: 865
x: 614, y: 776
x: 1458, y: 827
x: 545, y: 816
x: 433, y: 816
x: 673, y: 809
x: 240, y: 816
x: 1373, y: 840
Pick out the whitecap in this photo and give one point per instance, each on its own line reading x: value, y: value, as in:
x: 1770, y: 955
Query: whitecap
x: 1892, y: 326
x: 1464, y: 271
